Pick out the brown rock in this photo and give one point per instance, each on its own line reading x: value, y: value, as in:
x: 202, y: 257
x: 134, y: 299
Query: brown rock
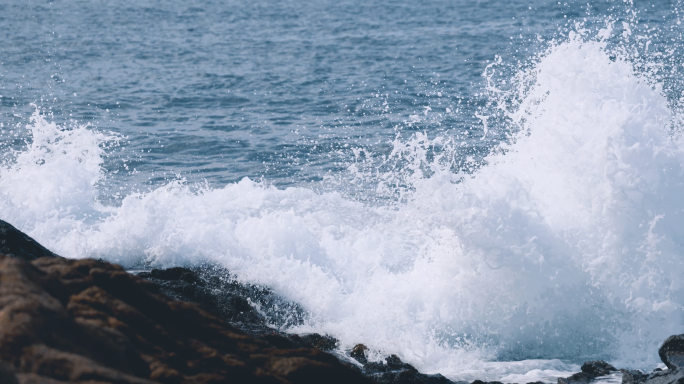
x: 359, y: 353
x: 85, y: 321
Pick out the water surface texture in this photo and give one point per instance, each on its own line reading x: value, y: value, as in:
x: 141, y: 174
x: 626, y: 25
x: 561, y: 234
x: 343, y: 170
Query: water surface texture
x: 490, y: 190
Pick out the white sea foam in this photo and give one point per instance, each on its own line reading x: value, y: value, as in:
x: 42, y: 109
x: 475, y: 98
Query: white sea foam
x: 566, y: 247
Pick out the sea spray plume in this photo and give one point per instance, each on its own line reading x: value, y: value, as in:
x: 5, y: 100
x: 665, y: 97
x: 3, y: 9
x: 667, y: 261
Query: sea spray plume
x: 54, y: 179
x: 578, y: 194
x: 388, y: 175
x: 411, y: 161
x: 595, y: 136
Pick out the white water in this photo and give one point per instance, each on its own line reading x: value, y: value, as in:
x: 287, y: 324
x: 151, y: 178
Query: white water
x: 568, y: 247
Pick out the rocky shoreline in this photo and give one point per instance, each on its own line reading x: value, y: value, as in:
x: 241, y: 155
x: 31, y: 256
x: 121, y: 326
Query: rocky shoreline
x: 89, y: 321
x: 235, y: 303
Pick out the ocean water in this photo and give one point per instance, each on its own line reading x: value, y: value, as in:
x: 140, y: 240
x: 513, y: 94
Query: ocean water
x: 490, y: 190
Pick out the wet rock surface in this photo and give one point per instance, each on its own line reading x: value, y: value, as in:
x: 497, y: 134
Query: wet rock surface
x: 234, y: 302
x: 220, y: 294
x: 15, y: 243
x: 590, y: 371
x: 597, y: 368
x: 85, y: 321
x: 577, y: 378
x: 359, y: 354
x: 666, y: 376
x: 393, y: 370
x: 632, y: 376
x: 672, y: 355
x: 672, y: 352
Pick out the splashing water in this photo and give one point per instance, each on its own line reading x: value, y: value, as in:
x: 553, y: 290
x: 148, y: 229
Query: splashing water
x: 565, y: 246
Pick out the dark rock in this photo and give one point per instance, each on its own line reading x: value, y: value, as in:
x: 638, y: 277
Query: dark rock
x: 312, y: 340
x: 176, y: 273
x: 630, y: 376
x: 85, y: 321
x: 395, y: 363
x: 668, y: 376
x: 7, y: 375
x: 233, y: 302
x: 279, y: 341
x: 322, y: 342
x: 397, y: 372
x: 359, y: 353
x: 224, y: 297
x: 391, y: 364
x: 577, y: 378
x: 598, y: 368
x: 187, y: 286
x: 672, y: 351
x: 590, y: 371
x: 486, y: 382
x: 227, y: 299
x: 14, y: 242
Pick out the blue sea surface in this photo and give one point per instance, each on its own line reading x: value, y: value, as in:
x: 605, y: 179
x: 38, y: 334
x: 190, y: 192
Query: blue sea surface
x: 223, y: 90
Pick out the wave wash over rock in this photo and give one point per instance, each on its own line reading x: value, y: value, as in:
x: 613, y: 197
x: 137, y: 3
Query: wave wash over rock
x: 568, y: 246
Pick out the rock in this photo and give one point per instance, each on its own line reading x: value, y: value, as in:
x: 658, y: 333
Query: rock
x: 667, y: 376
x: 598, y: 368
x: 359, y: 353
x: 222, y: 296
x: 86, y: 321
x: 672, y: 354
x: 231, y: 301
x: 630, y: 376
x: 397, y: 372
x: 577, y: 378
x: 322, y: 342
x: 279, y: 340
x: 15, y: 243
x: 177, y: 273
x: 7, y: 375
x: 672, y: 351
x: 391, y: 364
x: 590, y: 371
